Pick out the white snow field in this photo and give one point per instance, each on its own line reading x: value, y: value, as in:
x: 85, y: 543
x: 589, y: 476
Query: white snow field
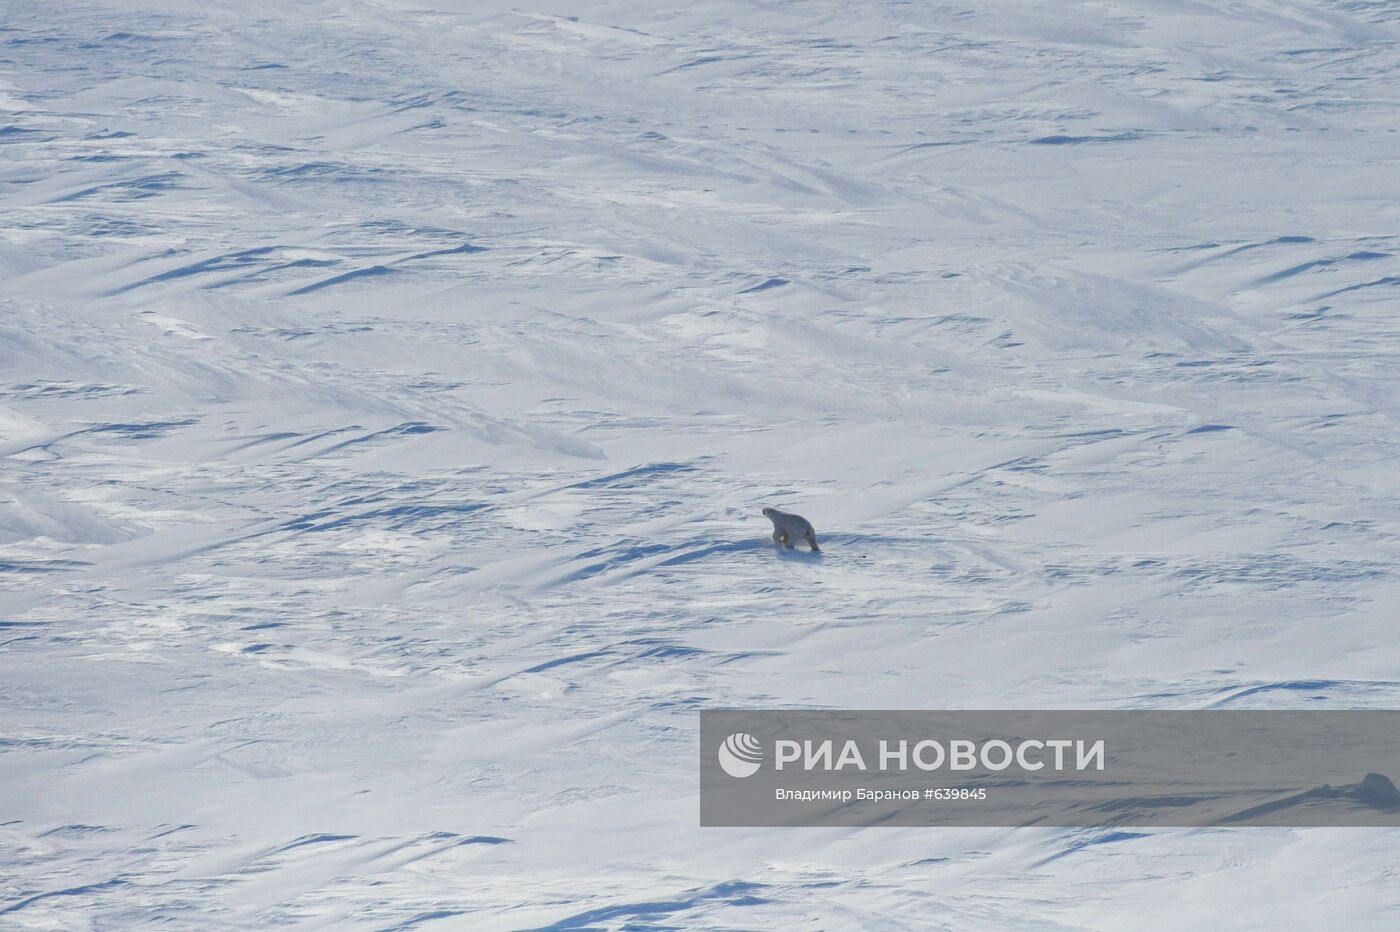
x: 390, y: 389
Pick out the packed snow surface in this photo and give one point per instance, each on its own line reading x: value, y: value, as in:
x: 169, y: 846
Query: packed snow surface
x: 390, y: 392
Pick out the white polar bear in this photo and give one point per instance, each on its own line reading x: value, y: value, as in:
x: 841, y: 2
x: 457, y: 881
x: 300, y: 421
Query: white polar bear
x: 789, y: 529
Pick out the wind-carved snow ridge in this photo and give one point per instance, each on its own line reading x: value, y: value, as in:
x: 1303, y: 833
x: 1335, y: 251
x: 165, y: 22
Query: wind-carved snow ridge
x: 389, y: 393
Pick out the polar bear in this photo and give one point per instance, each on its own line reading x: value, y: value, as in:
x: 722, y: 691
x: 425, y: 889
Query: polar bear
x: 789, y: 529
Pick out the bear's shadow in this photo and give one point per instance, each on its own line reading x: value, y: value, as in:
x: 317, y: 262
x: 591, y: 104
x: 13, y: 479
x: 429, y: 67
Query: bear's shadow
x: 802, y: 554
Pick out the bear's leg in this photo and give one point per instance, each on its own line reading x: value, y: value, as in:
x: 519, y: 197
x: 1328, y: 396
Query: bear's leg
x: 777, y: 536
x: 812, y: 542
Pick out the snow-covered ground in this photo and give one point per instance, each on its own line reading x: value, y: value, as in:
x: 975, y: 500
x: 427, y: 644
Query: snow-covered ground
x: 389, y: 390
